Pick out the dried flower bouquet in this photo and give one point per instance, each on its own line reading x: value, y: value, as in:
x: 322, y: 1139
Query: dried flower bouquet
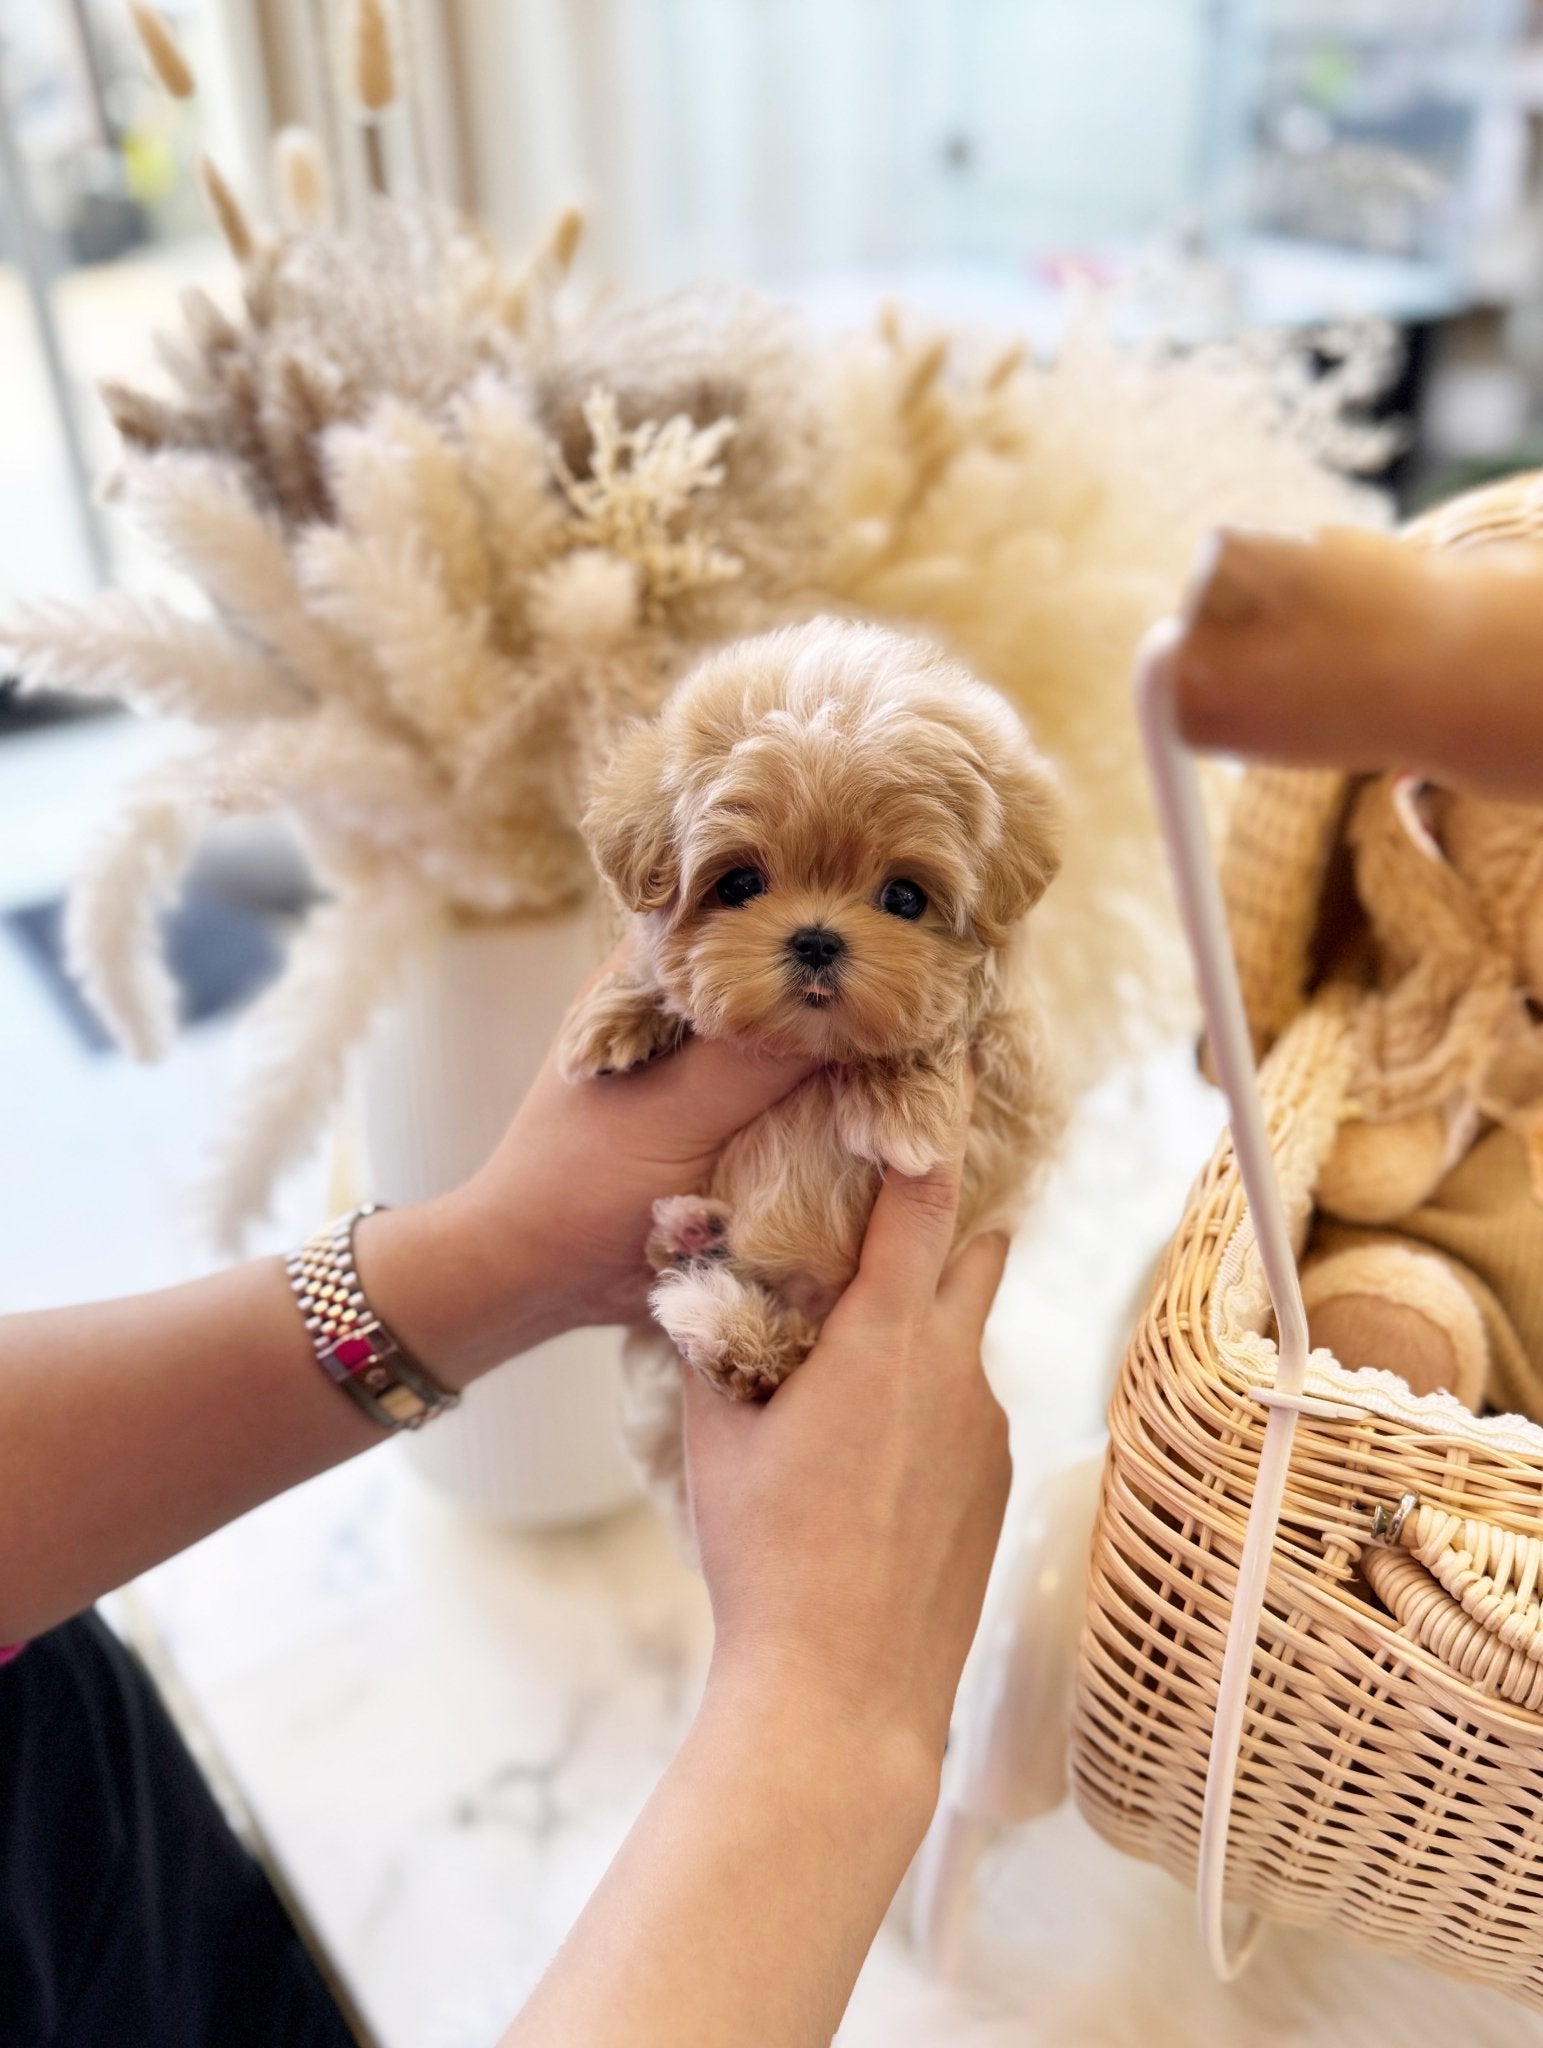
x: 452, y: 528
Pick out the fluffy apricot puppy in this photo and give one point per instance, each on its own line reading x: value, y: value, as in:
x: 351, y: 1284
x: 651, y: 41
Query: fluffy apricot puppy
x: 827, y: 844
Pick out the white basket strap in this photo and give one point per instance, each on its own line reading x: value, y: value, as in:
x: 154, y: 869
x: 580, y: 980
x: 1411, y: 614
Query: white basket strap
x: 1177, y: 790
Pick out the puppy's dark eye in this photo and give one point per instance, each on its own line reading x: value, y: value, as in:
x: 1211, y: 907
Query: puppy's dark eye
x: 739, y: 885
x: 903, y: 899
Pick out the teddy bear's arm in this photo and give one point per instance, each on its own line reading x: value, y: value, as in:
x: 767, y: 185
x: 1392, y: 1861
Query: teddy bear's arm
x: 617, y: 1023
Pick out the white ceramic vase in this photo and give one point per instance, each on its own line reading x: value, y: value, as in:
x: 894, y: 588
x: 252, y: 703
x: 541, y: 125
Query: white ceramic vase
x: 534, y: 1444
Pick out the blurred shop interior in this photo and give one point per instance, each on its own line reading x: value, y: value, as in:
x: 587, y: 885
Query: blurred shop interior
x: 1209, y: 163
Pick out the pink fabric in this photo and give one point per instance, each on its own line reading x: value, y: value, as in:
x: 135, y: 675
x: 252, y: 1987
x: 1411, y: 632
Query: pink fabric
x: 10, y: 1651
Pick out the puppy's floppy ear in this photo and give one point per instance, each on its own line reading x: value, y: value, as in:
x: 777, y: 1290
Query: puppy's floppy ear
x: 1027, y: 855
x: 628, y: 826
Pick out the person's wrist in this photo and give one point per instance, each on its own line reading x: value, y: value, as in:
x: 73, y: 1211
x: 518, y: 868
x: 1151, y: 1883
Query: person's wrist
x: 882, y: 1755
x: 460, y: 1293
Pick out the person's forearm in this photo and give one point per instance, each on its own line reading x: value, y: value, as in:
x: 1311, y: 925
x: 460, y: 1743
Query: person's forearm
x: 130, y: 1428
x: 746, y: 1897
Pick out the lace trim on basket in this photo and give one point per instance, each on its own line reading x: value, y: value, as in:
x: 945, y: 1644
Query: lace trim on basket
x: 1239, y: 1311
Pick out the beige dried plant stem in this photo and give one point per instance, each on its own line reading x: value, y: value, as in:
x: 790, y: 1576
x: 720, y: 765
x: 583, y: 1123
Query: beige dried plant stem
x: 924, y: 371
x: 372, y: 56
x: 1006, y: 366
x: 373, y: 77
x: 563, y: 242
x: 528, y: 300
x: 375, y: 157
x: 163, y: 50
x: 301, y: 176
x: 227, y: 210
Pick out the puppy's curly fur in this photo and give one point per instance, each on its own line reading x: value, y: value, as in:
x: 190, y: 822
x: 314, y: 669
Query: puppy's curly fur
x: 826, y: 843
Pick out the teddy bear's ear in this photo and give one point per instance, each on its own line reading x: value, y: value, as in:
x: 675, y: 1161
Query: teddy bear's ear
x: 1027, y: 855
x: 628, y: 825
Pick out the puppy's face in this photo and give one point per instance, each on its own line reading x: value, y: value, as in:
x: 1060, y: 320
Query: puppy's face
x: 822, y: 837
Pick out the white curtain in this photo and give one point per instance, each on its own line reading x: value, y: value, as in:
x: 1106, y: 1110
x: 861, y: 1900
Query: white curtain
x: 782, y: 138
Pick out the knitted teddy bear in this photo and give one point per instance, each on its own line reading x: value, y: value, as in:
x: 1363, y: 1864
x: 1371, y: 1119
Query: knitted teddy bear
x: 1426, y: 1256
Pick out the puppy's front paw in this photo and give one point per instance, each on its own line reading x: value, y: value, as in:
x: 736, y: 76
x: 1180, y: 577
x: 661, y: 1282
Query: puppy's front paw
x: 899, y: 1114
x: 698, y: 1308
x: 732, y: 1333
x: 687, y: 1228
x: 615, y: 1026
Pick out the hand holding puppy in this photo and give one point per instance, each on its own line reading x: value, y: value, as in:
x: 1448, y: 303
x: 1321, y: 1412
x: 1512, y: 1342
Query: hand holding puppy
x: 826, y: 846
x: 846, y: 1527
x: 560, y: 1214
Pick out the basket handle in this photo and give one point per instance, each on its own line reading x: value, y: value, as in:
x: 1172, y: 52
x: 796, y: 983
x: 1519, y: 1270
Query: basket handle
x: 1176, y: 788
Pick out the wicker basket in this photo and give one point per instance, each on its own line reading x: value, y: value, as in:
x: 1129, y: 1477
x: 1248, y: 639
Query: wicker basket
x: 1388, y: 1785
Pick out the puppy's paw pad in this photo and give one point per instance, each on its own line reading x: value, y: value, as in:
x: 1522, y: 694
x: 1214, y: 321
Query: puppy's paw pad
x: 687, y: 1228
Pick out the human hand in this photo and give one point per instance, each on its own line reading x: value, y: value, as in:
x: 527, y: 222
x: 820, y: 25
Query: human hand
x: 847, y: 1527
x: 550, y: 1233
x: 1358, y: 651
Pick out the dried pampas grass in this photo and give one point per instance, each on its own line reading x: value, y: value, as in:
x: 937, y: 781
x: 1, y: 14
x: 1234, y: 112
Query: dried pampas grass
x: 142, y: 654
x: 163, y: 50
x: 1039, y: 519
x: 226, y: 208
x: 452, y: 532
x: 300, y: 174
x: 563, y: 242
x: 111, y: 930
x: 341, y: 966
x: 372, y: 65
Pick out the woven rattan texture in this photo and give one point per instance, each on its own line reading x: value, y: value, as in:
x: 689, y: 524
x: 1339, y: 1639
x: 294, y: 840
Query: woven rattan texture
x: 1282, y: 833
x: 1378, y: 1794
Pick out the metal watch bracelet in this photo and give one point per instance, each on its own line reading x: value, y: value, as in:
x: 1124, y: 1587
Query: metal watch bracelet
x: 353, y: 1347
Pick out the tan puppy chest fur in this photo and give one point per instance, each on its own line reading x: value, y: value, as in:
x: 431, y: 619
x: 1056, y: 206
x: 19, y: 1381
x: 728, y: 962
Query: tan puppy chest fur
x: 827, y: 844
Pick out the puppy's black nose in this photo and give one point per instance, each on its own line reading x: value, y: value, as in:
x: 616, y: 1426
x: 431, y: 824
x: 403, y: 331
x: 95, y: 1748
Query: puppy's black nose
x: 814, y: 947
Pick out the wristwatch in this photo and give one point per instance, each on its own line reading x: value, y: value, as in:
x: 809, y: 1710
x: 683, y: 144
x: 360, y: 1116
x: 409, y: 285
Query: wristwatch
x: 352, y: 1345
